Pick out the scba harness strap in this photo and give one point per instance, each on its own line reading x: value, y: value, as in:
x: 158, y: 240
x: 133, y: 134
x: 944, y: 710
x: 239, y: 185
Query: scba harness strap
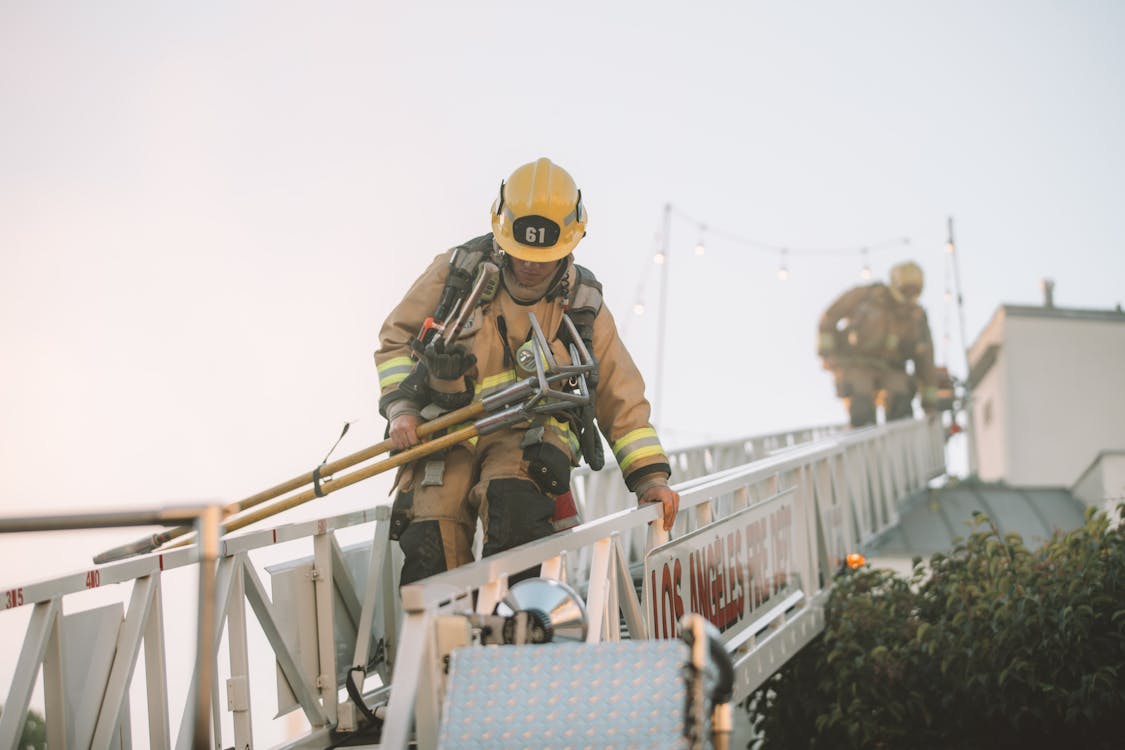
x: 582, y: 303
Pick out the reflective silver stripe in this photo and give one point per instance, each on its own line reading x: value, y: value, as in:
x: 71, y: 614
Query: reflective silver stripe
x: 636, y: 445
x: 394, y: 371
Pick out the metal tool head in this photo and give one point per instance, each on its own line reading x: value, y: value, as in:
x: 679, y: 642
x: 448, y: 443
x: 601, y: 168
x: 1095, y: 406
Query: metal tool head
x: 549, y: 373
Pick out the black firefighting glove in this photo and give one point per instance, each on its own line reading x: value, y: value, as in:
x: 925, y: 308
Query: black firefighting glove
x: 446, y: 362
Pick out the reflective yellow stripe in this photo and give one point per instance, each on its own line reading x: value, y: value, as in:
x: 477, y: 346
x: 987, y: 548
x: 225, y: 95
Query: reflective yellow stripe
x: 637, y: 455
x: 636, y: 445
x: 565, y: 433
x: 494, y: 382
x: 394, y: 371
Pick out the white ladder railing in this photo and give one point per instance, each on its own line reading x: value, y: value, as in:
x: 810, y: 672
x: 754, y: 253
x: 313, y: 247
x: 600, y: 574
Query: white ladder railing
x: 843, y: 487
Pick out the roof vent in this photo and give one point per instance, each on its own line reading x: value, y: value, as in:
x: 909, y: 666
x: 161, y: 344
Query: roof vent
x: 1048, y: 287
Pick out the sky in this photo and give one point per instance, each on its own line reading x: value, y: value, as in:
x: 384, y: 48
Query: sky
x: 207, y: 210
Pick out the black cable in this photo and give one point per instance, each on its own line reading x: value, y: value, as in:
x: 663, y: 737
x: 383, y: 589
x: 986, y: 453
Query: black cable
x: 357, y: 698
x: 374, y: 725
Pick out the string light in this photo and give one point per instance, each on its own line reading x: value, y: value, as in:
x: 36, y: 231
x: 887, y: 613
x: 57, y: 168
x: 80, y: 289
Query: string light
x: 707, y: 233
x: 949, y: 248
x: 708, y: 230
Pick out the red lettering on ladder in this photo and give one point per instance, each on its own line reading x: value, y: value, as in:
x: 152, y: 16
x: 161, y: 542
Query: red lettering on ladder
x: 93, y: 579
x: 667, y: 601
x: 667, y: 607
x: 678, y: 599
x: 13, y: 598
x: 700, y: 589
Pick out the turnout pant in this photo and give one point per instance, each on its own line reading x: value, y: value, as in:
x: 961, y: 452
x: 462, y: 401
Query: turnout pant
x: 509, y: 485
x: 864, y: 386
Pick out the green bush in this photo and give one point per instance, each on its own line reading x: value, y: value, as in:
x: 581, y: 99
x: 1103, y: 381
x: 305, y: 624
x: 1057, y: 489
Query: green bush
x: 34, y: 735
x: 992, y: 646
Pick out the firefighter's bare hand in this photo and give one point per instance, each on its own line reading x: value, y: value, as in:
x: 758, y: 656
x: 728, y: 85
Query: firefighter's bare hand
x: 670, y: 499
x: 404, y: 431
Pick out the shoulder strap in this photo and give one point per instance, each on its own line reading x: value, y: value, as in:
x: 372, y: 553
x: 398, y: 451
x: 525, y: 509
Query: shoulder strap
x: 467, y: 257
x: 587, y: 293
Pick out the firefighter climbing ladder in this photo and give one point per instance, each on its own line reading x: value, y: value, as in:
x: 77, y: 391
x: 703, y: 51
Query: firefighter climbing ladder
x: 764, y: 525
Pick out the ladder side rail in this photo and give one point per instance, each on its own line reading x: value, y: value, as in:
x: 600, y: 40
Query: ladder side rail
x: 434, y: 593
x: 833, y: 458
x: 867, y: 471
x: 154, y: 562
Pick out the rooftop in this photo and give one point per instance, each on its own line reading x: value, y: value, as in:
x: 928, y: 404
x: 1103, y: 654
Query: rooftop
x: 932, y: 519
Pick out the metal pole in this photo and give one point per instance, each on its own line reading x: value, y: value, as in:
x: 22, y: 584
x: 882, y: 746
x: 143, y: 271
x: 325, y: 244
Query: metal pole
x: 970, y: 432
x: 207, y: 531
x: 658, y: 406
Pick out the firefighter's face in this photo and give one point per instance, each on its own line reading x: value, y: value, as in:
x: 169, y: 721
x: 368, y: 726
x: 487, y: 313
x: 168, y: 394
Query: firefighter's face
x: 911, y: 292
x: 530, y: 273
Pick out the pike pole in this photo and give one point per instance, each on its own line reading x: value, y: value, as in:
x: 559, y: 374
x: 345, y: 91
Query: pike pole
x: 482, y: 426
x: 152, y: 542
x: 532, y: 395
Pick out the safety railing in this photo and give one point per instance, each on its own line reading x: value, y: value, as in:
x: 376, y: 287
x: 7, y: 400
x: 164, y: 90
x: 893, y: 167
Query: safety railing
x: 44, y: 647
x: 800, y: 511
x: 340, y: 608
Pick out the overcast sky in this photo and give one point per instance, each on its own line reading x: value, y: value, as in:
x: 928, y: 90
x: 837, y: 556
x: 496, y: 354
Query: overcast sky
x: 207, y: 209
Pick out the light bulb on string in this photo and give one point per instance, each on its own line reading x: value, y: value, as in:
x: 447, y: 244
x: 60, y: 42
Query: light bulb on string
x: 949, y: 248
x: 865, y: 272
x: 639, y: 308
x: 783, y: 270
x: 658, y: 259
x: 699, y: 246
x: 948, y: 296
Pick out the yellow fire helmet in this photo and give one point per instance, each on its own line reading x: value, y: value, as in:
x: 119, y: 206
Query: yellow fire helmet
x: 538, y: 215
x: 906, y: 281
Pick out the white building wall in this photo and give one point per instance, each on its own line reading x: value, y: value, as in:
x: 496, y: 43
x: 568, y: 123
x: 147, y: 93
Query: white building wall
x: 1059, y: 395
x: 988, y: 406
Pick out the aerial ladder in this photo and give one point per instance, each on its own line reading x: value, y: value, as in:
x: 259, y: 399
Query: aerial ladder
x: 697, y: 618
